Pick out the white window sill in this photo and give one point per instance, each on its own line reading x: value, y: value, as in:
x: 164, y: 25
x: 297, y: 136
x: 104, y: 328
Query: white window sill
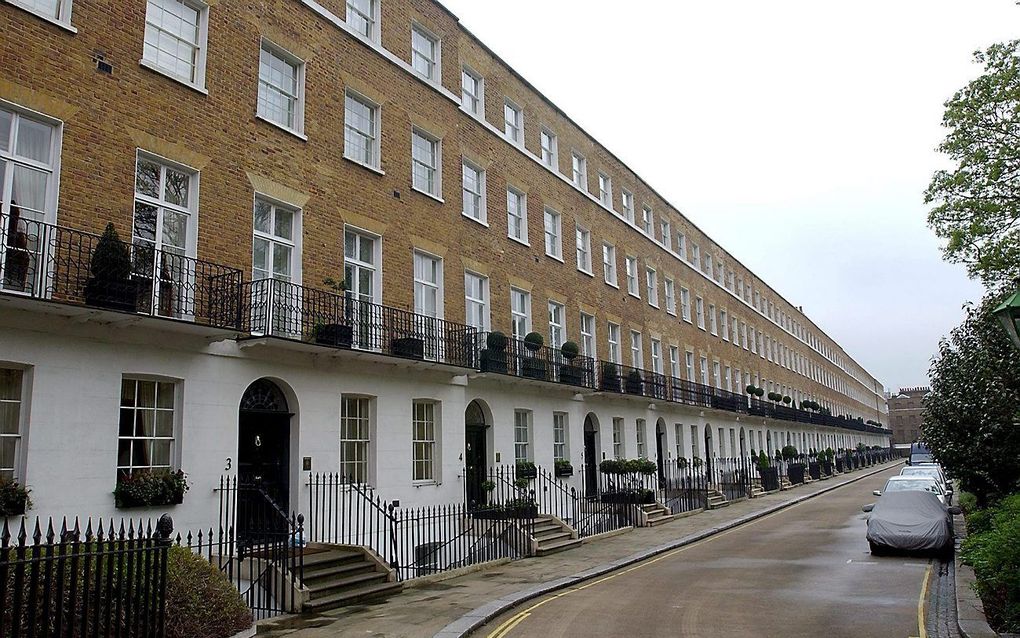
x: 285, y: 129
x: 66, y: 26
x: 635, y: 295
x: 477, y: 116
x: 480, y: 222
x: 430, y: 483
x: 156, y: 69
x: 374, y: 169
x: 428, y: 194
x: 702, y: 328
x: 555, y: 257
x: 653, y: 305
x: 587, y: 272
x: 522, y: 242
x: 671, y: 313
x: 613, y: 284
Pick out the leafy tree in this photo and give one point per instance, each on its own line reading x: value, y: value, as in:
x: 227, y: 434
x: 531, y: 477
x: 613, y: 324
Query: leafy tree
x: 972, y: 416
x: 977, y: 204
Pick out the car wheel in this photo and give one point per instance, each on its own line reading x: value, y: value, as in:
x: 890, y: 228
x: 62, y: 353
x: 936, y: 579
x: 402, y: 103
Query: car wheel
x: 876, y: 550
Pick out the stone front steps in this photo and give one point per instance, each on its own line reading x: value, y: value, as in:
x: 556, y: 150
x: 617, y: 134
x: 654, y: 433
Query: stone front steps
x: 655, y: 514
x: 552, y: 535
x: 335, y: 576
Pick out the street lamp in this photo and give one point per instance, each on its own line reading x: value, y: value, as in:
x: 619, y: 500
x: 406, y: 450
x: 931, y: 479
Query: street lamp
x: 1009, y: 314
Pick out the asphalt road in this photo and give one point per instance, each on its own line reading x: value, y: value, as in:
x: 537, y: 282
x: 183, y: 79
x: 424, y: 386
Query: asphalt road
x: 803, y: 571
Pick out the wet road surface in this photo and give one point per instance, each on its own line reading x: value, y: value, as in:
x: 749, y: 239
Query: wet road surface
x: 804, y: 571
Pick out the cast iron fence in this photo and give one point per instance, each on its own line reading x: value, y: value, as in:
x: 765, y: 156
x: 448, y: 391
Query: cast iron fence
x: 55, y: 263
x: 683, y: 486
x: 101, y: 581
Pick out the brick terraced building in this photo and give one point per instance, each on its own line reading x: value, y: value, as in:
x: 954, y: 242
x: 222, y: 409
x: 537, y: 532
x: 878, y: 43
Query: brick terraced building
x: 325, y: 208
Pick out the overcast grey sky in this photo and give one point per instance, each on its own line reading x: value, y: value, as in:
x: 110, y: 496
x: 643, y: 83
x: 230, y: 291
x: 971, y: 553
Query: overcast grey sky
x: 799, y: 135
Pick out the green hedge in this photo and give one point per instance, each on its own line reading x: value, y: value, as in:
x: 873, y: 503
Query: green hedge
x: 992, y: 548
x: 200, y: 601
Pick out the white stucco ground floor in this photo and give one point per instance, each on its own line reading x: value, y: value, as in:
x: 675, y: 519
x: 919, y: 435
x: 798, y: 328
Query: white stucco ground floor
x: 92, y: 396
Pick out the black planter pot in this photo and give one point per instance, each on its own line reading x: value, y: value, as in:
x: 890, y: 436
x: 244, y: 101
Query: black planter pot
x: 533, y: 368
x: 126, y: 501
x: 564, y: 470
x: 769, y: 478
x: 335, y: 334
x: 839, y: 465
x: 112, y: 294
x: 796, y: 473
x: 409, y: 347
x: 635, y: 385
x: 493, y: 361
x: 635, y: 497
x: 827, y: 468
x: 611, y: 383
x: 526, y: 472
x: 522, y: 511
x: 815, y: 470
x: 571, y: 374
x: 490, y: 513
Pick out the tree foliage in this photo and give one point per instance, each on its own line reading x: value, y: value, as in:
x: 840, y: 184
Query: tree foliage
x: 972, y: 416
x: 976, y: 206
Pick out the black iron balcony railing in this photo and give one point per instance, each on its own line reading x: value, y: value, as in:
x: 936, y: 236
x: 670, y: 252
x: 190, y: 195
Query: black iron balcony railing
x: 621, y: 379
x: 55, y: 263
x: 515, y: 357
x: 281, y: 309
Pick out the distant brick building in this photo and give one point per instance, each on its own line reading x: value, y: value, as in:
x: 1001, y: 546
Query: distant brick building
x: 906, y: 409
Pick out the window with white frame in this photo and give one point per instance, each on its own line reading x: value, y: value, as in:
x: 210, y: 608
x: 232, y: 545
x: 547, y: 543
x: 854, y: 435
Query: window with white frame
x: 472, y: 92
x: 557, y: 325
x: 695, y: 255
x: 707, y: 267
x: 743, y: 335
x: 561, y: 452
x: 656, y: 354
x: 588, y: 335
x: 425, y: 163
x: 726, y: 379
x: 666, y: 234
x: 428, y: 285
x: 423, y: 441
x: 605, y: 190
x: 11, y: 392
x: 716, y: 380
x: 685, y: 304
x: 520, y: 312
x: 425, y: 53
x: 618, y: 447
x: 281, y: 88
x: 704, y: 371
x: 613, y: 339
x: 632, y: 276
x: 583, y: 242
x: 670, y: 291
x: 476, y: 300
x: 473, y: 184
x: 550, y: 148
x: 754, y: 341
x: 355, y: 437
x: 513, y: 122
x: 175, y: 37
x: 724, y: 322
x: 147, y: 422
x: 713, y: 320
x: 641, y: 437
x: 361, y: 266
x: 609, y: 263
x: 522, y: 436
x: 689, y: 360
x: 652, y: 286
x: 646, y: 221
x: 579, y: 171
x: 699, y: 311
x: 274, y: 253
x: 678, y: 430
x: 553, y: 234
x: 517, y: 214
x: 56, y: 10
x: 637, y: 357
x: 627, y: 202
x: 681, y: 245
x: 363, y: 17
x: 674, y: 362
x: 361, y: 130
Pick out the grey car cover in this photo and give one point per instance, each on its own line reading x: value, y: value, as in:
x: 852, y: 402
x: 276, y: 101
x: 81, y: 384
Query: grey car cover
x: 909, y: 521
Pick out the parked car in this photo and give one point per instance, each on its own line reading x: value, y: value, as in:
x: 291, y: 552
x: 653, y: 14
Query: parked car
x: 910, y: 520
x: 919, y: 453
x: 914, y: 484
x: 933, y: 471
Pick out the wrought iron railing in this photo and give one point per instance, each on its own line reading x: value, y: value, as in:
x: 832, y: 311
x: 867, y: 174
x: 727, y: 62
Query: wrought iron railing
x: 515, y: 357
x: 55, y: 263
x: 281, y: 309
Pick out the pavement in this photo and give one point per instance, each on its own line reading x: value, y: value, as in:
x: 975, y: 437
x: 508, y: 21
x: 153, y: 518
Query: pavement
x: 462, y: 603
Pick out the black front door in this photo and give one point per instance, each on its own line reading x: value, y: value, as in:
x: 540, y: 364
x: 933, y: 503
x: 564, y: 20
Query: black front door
x: 475, y: 467
x: 263, y: 472
x: 660, y: 452
x: 591, y: 477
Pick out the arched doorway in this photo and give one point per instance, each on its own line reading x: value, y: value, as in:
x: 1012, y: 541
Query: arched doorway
x: 591, y: 455
x: 708, y: 449
x: 768, y: 442
x: 476, y: 463
x: 263, y: 457
x: 743, y: 444
x: 660, y: 447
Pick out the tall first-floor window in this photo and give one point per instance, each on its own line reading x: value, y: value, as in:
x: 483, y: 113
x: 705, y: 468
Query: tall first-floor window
x: 10, y: 422
x: 146, y: 436
x: 424, y: 441
x: 679, y: 431
x: 355, y: 438
x: 522, y: 435
x: 642, y: 444
x: 618, y: 449
x: 613, y: 339
x: 560, y: 451
x: 520, y: 312
x: 476, y: 300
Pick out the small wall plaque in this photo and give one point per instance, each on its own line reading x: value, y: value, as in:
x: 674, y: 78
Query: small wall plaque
x: 306, y: 464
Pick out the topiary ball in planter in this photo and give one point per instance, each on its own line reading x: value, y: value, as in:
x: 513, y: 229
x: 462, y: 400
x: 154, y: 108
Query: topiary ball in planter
x: 569, y: 350
x: 110, y: 284
x: 533, y: 341
x: 496, y: 340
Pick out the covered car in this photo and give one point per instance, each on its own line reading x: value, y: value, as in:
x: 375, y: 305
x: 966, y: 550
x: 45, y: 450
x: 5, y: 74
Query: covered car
x: 913, y: 521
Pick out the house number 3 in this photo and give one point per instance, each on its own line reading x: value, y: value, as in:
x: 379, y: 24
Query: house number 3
x: 229, y: 465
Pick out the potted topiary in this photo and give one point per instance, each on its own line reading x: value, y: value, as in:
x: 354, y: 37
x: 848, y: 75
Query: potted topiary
x: 157, y: 488
x: 532, y: 366
x: 682, y: 463
x: 759, y: 392
x: 14, y: 499
x: 110, y: 284
x: 769, y: 474
x: 569, y: 373
x: 794, y: 469
x: 634, y: 382
x: 328, y: 333
x: 493, y: 357
x: 18, y: 259
x: 787, y: 400
x: 610, y: 377
x: 698, y: 462
x: 563, y: 467
x: 611, y: 466
x: 525, y: 470
x: 750, y: 389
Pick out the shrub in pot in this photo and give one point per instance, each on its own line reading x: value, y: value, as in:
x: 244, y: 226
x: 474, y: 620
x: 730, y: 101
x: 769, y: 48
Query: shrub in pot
x: 759, y: 392
x: 634, y: 382
x: 533, y: 341
x: 14, y: 499
x: 110, y: 284
x: 563, y: 467
x: 411, y: 346
x: 157, y: 488
x: 569, y: 373
x: 750, y: 389
x: 328, y: 331
x: 493, y: 357
x: 787, y: 400
x: 610, y: 377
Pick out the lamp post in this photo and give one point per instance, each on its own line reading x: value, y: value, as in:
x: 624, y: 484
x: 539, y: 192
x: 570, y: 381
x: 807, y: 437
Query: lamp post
x: 1009, y: 315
